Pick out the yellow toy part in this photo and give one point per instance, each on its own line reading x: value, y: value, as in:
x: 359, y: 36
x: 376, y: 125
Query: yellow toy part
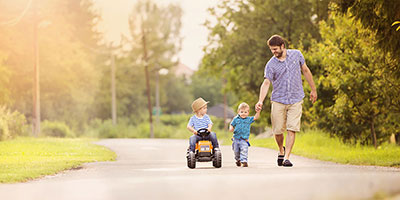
x: 204, y: 146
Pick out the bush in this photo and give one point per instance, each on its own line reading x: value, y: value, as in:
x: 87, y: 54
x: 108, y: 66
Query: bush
x: 56, y: 129
x: 170, y: 126
x: 12, y: 124
x: 175, y: 120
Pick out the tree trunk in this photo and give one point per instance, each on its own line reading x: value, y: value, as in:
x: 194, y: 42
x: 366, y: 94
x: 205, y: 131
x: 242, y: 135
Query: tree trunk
x: 397, y: 136
x: 373, y: 133
x: 146, y: 70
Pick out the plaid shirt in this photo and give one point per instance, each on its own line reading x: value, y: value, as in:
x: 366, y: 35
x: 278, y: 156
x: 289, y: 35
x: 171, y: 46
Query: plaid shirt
x: 285, y: 77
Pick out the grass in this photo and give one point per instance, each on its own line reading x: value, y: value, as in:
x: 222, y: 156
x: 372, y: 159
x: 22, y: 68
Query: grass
x: 318, y: 145
x: 24, y: 159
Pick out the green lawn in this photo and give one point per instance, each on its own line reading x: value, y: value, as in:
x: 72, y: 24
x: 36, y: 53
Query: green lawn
x: 318, y: 145
x: 24, y: 159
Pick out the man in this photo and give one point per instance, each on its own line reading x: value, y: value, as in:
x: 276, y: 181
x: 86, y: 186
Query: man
x: 284, y: 71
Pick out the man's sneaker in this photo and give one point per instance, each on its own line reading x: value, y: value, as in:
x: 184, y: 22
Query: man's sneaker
x: 287, y: 163
x: 238, y: 163
x: 244, y: 164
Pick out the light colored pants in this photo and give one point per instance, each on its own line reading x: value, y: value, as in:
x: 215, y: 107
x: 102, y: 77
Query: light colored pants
x: 241, y: 149
x: 286, y: 117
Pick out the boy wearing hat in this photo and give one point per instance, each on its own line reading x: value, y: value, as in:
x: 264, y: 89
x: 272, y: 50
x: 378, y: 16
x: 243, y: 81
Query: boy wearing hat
x: 198, y: 121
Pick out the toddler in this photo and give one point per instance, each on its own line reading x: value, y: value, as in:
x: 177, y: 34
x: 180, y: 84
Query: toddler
x: 240, y: 126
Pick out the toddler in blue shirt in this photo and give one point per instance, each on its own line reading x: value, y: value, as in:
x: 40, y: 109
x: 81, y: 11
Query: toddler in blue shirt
x: 240, y: 126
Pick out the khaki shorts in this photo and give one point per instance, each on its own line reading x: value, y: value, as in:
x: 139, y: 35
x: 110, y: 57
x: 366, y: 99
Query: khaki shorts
x: 285, y: 117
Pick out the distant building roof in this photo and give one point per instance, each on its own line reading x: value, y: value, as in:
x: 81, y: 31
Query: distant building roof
x: 183, y: 70
x: 218, y: 111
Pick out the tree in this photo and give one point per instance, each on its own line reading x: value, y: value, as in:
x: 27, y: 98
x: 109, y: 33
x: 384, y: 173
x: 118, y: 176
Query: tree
x: 4, y: 82
x: 364, y: 88
x: 377, y: 16
x: 68, y: 66
x: 155, y: 40
x: 237, y: 49
x: 176, y: 95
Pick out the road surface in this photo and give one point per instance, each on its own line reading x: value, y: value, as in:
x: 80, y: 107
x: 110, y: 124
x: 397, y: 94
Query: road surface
x: 156, y: 169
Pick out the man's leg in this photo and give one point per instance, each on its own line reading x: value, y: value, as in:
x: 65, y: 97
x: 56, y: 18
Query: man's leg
x: 291, y: 135
x: 279, y: 141
x: 293, y: 125
x: 278, y: 119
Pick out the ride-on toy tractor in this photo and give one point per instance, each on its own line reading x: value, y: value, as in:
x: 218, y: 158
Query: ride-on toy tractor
x: 204, y: 152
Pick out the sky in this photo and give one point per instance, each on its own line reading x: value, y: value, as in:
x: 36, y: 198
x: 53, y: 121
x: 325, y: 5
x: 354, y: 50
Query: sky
x: 115, y: 15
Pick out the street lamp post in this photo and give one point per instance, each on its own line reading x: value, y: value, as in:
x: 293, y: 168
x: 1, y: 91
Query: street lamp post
x: 159, y: 72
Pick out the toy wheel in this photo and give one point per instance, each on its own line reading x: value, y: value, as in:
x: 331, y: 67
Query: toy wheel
x: 191, y: 160
x: 217, y: 161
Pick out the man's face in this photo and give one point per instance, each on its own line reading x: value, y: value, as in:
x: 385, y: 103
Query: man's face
x: 277, y: 50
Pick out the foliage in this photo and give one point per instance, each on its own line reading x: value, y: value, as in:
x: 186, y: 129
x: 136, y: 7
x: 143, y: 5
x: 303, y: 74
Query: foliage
x: 56, y: 129
x: 398, y: 25
x: 12, y: 124
x: 68, y: 74
x: 162, y: 41
x: 130, y: 92
x: 210, y: 88
x: 175, y: 95
x: 357, y: 103
x: 377, y: 16
x: 24, y: 159
x: 170, y: 126
x: 4, y: 81
x: 237, y: 49
x: 161, y: 37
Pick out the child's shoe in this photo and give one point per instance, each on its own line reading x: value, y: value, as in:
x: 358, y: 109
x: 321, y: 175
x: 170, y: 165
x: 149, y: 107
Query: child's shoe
x: 238, y: 163
x: 244, y: 164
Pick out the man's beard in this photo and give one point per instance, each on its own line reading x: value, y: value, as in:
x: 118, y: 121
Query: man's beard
x: 279, y: 55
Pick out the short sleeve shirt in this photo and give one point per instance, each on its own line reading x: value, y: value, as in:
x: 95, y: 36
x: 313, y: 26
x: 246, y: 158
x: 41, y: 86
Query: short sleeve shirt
x: 199, y: 123
x: 285, y: 77
x: 242, y: 127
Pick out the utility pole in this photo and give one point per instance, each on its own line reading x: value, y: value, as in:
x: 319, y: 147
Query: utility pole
x: 157, y: 96
x: 147, y: 81
x: 36, y: 69
x: 113, y: 93
x: 225, y: 112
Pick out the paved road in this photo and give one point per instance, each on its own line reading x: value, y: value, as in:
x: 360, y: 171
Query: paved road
x: 156, y: 169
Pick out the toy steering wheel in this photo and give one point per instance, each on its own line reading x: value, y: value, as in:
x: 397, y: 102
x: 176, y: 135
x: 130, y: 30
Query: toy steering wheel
x: 203, y: 132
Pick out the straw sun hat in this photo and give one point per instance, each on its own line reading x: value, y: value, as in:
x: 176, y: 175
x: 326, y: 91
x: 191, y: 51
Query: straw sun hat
x: 198, y: 103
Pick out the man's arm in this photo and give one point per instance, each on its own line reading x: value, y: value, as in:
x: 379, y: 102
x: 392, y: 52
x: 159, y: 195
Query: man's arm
x: 308, y: 75
x: 263, y: 93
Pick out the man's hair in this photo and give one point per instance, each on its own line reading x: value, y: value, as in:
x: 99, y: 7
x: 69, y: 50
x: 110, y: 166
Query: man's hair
x: 243, y: 106
x: 276, y: 40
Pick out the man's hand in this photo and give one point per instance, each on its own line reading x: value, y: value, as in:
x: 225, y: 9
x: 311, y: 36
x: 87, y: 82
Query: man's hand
x: 313, y: 96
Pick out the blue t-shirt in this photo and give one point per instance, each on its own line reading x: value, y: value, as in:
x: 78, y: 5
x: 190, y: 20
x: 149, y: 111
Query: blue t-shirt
x: 242, y: 127
x: 198, y: 123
